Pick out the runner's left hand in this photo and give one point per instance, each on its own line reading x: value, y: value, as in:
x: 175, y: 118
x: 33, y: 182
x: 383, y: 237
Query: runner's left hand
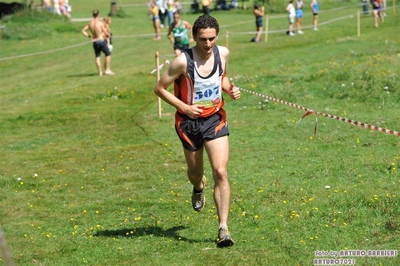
x: 234, y: 92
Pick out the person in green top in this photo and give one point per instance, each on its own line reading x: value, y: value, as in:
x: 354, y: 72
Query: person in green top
x: 178, y: 34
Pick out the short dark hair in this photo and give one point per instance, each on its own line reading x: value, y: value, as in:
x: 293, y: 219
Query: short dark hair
x: 95, y: 13
x: 204, y: 22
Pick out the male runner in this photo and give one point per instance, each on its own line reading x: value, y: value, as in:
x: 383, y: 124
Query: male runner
x: 179, y: 29
x: 199, y: 76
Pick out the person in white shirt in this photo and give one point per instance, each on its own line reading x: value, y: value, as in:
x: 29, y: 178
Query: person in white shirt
x: 291, y: 15
x: 57, y: 7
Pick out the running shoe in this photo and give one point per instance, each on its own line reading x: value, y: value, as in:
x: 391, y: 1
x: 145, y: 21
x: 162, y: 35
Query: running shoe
x: 224, y: 238
x: 198, y: 199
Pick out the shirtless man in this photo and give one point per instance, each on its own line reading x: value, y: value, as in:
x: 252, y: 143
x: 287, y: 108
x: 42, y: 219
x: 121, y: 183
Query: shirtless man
x: 98, y: 31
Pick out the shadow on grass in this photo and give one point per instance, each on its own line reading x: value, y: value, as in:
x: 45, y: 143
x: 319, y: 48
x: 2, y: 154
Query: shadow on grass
x: 83, y: 75
x: 150, y: 230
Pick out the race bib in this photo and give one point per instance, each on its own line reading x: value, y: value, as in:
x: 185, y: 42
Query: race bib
x: 209, y: 96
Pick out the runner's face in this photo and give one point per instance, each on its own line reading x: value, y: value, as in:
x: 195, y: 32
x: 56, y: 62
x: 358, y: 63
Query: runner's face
x: 176, y: 18
x: 206, y: 39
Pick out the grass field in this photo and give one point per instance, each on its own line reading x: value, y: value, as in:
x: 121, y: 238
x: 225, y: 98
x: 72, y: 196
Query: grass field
x: 89, y: 174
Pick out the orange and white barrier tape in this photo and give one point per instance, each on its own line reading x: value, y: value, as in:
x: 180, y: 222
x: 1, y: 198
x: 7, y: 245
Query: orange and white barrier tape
x: 309, y: 111
x: 159, y: 67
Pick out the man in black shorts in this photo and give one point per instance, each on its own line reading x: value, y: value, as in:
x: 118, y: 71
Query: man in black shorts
x: 98, y: 37
x: 199, y: 74
x: 179, y: 31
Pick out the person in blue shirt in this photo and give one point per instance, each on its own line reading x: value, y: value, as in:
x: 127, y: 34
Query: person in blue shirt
x: 315, y: 9
x: 299, y: 15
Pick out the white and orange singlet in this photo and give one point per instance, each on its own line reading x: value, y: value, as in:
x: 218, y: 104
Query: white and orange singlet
x: 195, y: 89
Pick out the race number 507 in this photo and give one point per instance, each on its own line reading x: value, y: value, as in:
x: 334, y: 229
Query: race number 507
x: 206, y: 94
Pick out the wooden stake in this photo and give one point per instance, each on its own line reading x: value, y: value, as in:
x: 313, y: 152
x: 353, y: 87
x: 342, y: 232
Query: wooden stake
x: 158, y: 78
x: 4, y: 249
x: 358, y: 23
x: 266, y: 28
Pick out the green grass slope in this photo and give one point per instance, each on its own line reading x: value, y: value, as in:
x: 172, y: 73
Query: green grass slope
x: 91, y: 175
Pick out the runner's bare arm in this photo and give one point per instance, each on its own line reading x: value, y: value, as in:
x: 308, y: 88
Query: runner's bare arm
x: 84, y: 31
x: 189, y: 27
x: 171, y: 38
x: 227, y: 86
x: 177, y: 68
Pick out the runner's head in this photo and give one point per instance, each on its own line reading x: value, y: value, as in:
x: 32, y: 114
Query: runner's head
x: 177, y: 16
x: 204, y: 22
